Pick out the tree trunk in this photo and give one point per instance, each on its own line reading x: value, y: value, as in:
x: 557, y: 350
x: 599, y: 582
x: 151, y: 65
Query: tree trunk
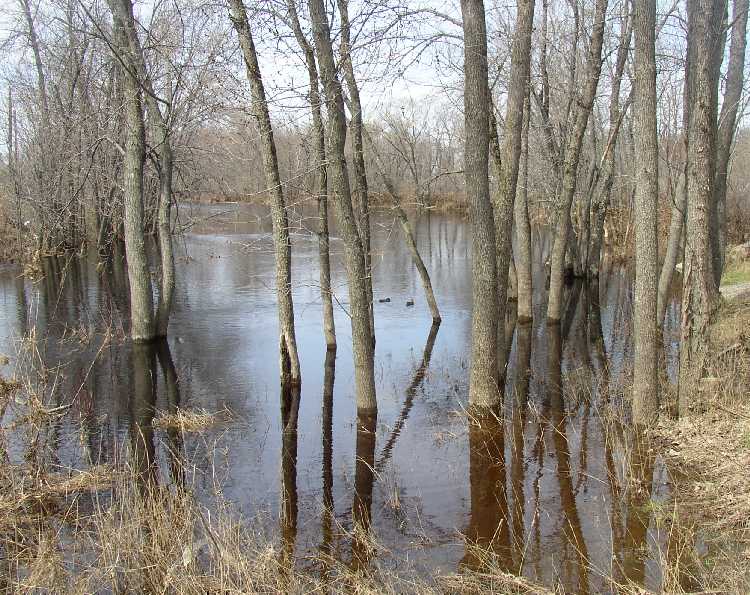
x: 166, y: 249
x: 290, y: 369
x: 483, y: 378
x: 699, y: 293
x: 356, y: 265
x: 522, y: 252
x: 727, y: 126
x: 645, y: 338
x: 360, y: 196
x: 416, y: 257
x: 679, y: 206
x: 674, y: 245
x: 161, y: 133
x: 142, y: 327
x: 329, y: 326
x: 570, y: 166
x: 504, y: 198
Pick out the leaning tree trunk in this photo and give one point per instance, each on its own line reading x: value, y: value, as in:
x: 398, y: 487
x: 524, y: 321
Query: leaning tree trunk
x: 329, y: 327
x: 290, y: 369
x: 679, y: 205
x: 645, y: 337
x: 727, y: 126
x: 411, y: 243
x: 483, y: 377
x: 570, y: 165
x: 356, y: 264
x: 699, y: 293
x: 360, y: 196
x: 142, y: 327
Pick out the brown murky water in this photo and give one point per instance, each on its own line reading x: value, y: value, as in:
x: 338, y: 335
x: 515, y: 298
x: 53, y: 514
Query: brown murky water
x: 541, y: 488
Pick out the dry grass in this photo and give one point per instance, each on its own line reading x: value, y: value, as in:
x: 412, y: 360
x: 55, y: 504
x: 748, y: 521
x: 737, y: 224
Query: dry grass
x: 190, y: 420
x: 709, y: 454
x: 156, y: 540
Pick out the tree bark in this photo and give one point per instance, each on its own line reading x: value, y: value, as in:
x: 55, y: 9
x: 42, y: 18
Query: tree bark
x: 727, y: 127
x: 356, y: 265
x: 645, y: 338
x: 329, y: 326
x: 142, y: 327
x: 699, y: 293
x: 570, y: 165
x: 290, y: 368
x: 483, y: 376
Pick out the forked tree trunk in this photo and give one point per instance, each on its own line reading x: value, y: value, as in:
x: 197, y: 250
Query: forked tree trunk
x: 570, y: 165
x: 645, y: 338
x: 356, y: 264
x: 290, y: 368
x: 329, y: 327
x: 699, y: 293
x: 161, y: 132
x: 142, y: 327
x: 483, y: 376
x: 727, y: 126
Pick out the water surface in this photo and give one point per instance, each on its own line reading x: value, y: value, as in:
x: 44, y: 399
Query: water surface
x: 541, y: 488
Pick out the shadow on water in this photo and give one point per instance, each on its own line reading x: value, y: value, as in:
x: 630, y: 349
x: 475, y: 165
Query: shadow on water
x: 411, y: 392
x: 329, y: 512
x: 364, y: 480
x: 290, y: 396
x: 539, y: 488
x: 142, y: 411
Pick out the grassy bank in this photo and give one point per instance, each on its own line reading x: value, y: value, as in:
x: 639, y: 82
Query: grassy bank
x: 708, y: 453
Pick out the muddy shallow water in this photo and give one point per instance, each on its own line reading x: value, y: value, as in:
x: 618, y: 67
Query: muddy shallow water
x: 541, y: 488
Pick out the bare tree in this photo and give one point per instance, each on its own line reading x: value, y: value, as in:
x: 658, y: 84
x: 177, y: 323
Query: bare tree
x: 679, y: 206
x: 483, y: 378
x: 318, y: 131
x: 570, y: 165
x: 411, y: 243
x: 606, y: 169
x: 699, y: 293
x: 289, y: 359
x: 356, y: 263
x: 522, y: 252
x: 141, y: 298
x: 727, y: 127
x: 645, y: 338
x: 360, y: 196
x: 163, y: 145
x: 505, y: 197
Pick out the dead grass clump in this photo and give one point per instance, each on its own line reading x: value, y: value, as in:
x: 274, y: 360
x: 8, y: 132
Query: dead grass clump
x: 189, y: 420
x: 489, y: 578
x: 27, y: 492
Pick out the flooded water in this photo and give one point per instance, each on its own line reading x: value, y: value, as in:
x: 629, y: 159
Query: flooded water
x: 540, y: 490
